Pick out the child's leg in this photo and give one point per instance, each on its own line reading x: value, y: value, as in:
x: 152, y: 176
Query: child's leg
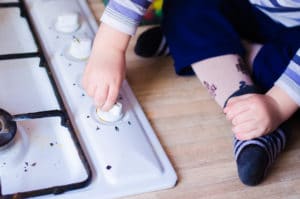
x: 274, y: 56
x: 252, y: 50
x: 255, y: 156
x: 223, y: 75
x: 269, y: 62
x: 202, y: 37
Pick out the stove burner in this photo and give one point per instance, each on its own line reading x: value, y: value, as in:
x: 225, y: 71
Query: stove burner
x: 8, y: 128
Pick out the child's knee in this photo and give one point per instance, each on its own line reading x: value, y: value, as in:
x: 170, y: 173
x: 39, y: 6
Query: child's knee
x: 269, y: 63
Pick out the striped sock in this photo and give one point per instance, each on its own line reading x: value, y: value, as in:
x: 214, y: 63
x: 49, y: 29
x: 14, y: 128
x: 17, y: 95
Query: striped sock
x: 152, y: 43
x: 254, y: 157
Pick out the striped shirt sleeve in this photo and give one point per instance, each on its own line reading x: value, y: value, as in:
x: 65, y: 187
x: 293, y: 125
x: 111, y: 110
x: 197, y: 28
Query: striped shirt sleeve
x: 125, y: 15
x: 289, y: 81
x: 286, y: 12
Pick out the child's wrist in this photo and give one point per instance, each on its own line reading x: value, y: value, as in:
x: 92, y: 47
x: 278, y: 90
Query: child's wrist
x: 285, y: 104
x: 111, y: 38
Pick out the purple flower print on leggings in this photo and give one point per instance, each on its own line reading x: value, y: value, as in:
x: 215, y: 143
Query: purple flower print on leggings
x: 211, y: 88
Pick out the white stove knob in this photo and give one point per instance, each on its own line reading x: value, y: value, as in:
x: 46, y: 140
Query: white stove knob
x: 67, y: 22
x: 113, y: 115
x: 80, y: 48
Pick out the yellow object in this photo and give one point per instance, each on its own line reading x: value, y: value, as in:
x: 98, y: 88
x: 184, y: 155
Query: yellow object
x: 157, y: 4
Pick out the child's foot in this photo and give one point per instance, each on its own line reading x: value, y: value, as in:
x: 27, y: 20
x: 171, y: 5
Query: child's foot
x: 254, y: 157
x: 151, y: 43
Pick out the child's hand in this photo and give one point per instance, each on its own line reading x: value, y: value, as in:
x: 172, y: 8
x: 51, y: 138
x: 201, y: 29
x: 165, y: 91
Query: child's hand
x: 105, y: 69
x: 253, y: 115
x: 103, y: 77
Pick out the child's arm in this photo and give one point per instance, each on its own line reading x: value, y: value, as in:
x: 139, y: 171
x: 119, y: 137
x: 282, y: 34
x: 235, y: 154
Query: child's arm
x: 254, y: 115
x: 105, y: 69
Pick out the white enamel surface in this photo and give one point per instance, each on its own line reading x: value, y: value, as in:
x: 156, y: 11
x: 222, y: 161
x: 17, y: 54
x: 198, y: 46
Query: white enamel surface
x: 15, y: 35
x: 126, y: 156
x: 41, y: 159
x: 26, y: 85
x: 39, y: 156
x: 67, y: 22
x: 8, y: 1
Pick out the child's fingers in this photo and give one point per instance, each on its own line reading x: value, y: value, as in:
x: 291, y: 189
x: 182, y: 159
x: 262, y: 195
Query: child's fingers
x: 242, y: 118
x: 237, y: 99
x: 235, y: 102
x: 90, y: 90
x: 236, y: 109
x: 249, y: 135
x: 85, y: 78
x: 100, y: 95
x: 111, y: 98
x: 245, y: 127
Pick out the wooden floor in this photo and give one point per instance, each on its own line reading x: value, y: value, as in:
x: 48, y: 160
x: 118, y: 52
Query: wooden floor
x: 197, y: 138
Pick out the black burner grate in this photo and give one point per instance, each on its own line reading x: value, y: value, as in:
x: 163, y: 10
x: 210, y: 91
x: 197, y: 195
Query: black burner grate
x: 65, y: 121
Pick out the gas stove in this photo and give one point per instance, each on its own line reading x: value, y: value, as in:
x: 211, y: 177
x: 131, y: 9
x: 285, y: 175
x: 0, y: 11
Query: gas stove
x: 53, y: 142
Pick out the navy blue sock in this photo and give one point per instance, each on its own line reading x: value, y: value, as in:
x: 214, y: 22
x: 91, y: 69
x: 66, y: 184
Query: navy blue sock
x: 254, y: 157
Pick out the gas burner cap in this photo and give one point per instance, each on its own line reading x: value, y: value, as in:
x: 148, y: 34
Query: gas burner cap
x: 113, y: 115
x: 80, y: 48
x: 8, y: 128
x: 67, y: 22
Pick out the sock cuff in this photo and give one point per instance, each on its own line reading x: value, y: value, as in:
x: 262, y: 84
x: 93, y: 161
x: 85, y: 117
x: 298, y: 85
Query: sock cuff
x: 272, y: 143
x: 243, y: 89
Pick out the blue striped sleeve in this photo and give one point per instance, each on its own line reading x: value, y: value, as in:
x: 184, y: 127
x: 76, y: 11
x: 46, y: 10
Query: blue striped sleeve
x: 286, y: 12
x: 125, y: 15
x: 289, y: 81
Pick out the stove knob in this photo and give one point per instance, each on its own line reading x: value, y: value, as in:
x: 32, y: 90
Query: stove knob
x: 113, y: 115
x: 80, y: 48
x: 67, y: 22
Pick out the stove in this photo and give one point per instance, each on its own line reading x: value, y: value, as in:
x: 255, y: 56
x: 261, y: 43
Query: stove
x: 53, y: 141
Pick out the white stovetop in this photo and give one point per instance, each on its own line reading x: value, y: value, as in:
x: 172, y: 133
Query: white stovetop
x: 42, y: 147
x: 17, y: 30
x: 126, y: 157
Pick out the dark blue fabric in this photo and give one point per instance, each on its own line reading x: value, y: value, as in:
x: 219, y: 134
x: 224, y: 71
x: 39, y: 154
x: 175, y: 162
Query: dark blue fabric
x: 252, y: 165
x: 275, y: 55
x: 196, y: 30
x: 201, y: 29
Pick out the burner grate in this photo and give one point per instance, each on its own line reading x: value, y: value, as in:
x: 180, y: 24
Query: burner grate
x: 23, y: 64
x: 23, y: 14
